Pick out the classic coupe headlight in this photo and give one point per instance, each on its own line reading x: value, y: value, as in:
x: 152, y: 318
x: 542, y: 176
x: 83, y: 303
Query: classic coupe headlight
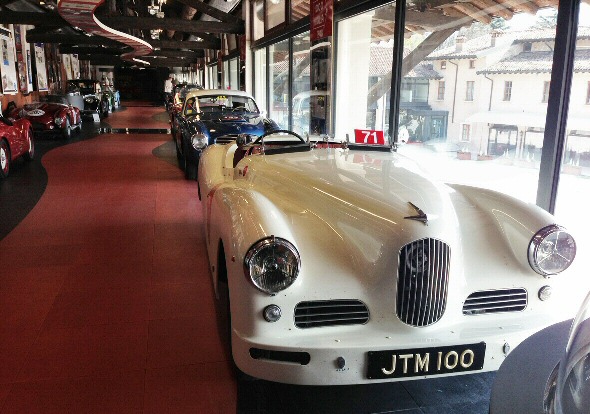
x: 199, y: 141
x: 58, y: 120
x: 551, y: 250
x: 272, y: 264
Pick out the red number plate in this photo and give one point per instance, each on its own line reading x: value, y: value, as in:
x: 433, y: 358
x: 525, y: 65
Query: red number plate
x: 369, y: 136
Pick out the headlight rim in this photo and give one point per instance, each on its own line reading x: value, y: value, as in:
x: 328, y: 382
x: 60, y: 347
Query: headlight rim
x: 261, y: 244
x: 203, y: 137
x: 536, y: 242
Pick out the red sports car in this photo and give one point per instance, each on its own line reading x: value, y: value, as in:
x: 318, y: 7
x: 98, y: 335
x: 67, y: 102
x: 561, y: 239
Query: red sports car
x: 16, y: 140
x: 53, y: 116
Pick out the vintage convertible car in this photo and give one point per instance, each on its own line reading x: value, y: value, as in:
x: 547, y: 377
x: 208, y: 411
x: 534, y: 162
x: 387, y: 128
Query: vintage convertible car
x: 53, y: 116
x: 211, y: 115
x: 16, y: 140
x: 95, y: 102
x: 344, y: 264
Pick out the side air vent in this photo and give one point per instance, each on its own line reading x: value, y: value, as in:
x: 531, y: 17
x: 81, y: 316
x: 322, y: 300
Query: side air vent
x: 225, y: 139
x: 496, y: 301
x: 423, y: 278
x: 319, y: 313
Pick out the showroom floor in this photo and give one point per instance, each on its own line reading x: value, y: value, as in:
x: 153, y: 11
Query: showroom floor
x: 105, y: 300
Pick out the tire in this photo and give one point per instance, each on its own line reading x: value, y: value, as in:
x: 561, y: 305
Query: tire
x: 4, y: 159
x: 30, y: 155
x: 67, y: 131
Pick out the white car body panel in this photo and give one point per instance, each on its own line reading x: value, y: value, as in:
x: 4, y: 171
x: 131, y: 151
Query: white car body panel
x: 344, y: 211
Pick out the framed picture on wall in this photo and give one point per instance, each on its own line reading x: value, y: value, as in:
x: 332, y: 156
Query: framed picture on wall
x: 8, y: 62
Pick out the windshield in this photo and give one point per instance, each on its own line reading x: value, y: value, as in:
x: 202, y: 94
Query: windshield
x: 219, y: 103
x: 85, y: 86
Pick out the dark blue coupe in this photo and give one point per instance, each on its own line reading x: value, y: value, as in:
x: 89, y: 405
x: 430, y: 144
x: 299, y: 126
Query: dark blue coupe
x: 212, y: 116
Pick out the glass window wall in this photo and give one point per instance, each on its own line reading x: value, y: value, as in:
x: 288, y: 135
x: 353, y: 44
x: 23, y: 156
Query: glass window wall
x: 299, y: 9
x: 275, y: 13
x: 300, y: 92
x: 278, y: 83
x: 260, y: 78
x: 233, y: 74
x: 573, y: 196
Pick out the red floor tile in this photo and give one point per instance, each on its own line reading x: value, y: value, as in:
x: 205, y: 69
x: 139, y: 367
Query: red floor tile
x: 98, y: 351
x: 203, y: 388
x: 181, y: 300
x: 109, y: 277
x: 118, y: 394
x: 4, y: 391
x: 174, y: 342
x: 99, y: 306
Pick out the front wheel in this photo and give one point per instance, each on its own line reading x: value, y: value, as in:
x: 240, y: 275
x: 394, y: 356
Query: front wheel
x: 4, y: 159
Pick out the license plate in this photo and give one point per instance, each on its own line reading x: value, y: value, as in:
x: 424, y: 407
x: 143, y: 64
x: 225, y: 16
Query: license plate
x: 425, y: 361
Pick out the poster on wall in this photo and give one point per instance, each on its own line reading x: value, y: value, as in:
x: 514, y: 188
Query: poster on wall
x: 41, y: 68
x: 75, y: 67
x: 23, y: 59
x: 8, y: 62
x: 67, y: 61
x: 321, y: 18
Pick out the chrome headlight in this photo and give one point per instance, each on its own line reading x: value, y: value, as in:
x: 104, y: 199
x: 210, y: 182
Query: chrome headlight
x: 272, y: 264
x: 551, y: 250
x: 199, y: 141
x: 58, y: 120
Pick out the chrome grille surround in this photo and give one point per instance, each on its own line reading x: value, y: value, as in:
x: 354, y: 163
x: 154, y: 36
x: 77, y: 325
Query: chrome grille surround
x: 320, y: 313
x: 422, y: 284
x: 496, y: 301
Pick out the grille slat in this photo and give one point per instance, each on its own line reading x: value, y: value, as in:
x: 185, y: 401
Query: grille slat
x: 423, y: 275
x: 496, y: 301
x: 330, y: 313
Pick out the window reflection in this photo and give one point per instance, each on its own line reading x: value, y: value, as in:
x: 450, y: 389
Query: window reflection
x: 574, y: 183
x: 279, y: 83
x: 301, y: 84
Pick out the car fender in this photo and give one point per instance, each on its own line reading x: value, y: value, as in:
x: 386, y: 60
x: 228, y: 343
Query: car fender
x: 516, y: 220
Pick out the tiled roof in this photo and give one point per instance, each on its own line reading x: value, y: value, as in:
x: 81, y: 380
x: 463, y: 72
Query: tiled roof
x: 536, y: 62
x: 469, y: 51
x: 547, y: 34
x: 381, y: 61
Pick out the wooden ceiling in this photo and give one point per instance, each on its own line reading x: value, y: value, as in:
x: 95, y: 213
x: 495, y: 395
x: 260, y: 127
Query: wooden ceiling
x: 189, y: 27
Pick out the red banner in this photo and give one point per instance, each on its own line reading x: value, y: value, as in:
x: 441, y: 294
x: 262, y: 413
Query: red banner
x: 369, y: 136
x: 321, y: 16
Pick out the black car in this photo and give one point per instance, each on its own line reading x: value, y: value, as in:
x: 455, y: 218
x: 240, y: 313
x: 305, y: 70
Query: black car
x: 211, y: 116
x: 95, y: 102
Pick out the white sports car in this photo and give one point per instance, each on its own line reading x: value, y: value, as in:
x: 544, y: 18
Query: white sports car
x: 345, y: 264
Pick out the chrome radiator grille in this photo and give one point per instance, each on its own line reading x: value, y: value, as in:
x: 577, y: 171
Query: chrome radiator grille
x: 423, y: 277
x: 318, y: 313
x: 496, y: 301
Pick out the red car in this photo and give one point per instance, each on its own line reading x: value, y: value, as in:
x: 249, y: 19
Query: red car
x: 16, y: 140
x: 53, y: 116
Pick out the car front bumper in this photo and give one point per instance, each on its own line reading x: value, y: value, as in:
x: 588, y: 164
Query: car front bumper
x: 340, y: 356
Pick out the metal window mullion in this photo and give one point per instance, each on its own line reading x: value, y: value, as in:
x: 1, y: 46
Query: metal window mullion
x: 396, y: 69
x: 290, y: 85
x: 558, y: 103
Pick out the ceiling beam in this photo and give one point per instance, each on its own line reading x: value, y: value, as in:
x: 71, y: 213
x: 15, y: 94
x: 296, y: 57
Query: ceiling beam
x: 178, y: 53
x: 186, y: 44
x: 34, y: 36
x: 212, y: 11
x: 186, y: 26
x: 66, y: 49
x: 114, y: 61
x: 37, y: 19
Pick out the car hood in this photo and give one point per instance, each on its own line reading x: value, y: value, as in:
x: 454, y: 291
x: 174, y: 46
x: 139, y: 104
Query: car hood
x: 40, y: 111
x: 224, y: 124
x: 379, y: 201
